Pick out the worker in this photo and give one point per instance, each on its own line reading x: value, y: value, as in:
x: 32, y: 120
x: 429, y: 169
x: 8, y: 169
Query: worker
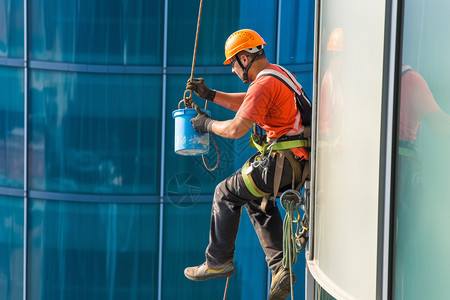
x: 268, y: 104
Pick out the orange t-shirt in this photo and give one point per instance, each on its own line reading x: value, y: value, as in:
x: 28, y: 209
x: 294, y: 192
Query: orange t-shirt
x: 272, y: 105
x: 416, y: 101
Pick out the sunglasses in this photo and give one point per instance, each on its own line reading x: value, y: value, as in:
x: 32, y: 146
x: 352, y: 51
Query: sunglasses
x: 232, y: 63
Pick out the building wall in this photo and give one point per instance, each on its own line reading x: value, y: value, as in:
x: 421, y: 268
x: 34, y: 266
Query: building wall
x: 422, y: 192
x: 383, y: 136
x: 94, y: 204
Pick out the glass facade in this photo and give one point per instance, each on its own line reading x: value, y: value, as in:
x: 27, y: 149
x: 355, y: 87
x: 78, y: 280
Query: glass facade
x: 382, y: 144
x: 349, y: 102
x: 11, y: 247
x: 94, y: 203
x: 422, y: 190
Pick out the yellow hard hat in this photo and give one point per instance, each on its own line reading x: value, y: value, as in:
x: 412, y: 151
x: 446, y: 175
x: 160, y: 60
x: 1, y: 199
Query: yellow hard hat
x: 336, y: 41
x: 244, y: 39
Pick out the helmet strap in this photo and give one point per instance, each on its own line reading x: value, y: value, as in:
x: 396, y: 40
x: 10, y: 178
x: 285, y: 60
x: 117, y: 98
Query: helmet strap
x: 245, y: 70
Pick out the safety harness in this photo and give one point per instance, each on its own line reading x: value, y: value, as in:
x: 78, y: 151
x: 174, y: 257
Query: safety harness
x: 279, y: 151
x: 280, y: 148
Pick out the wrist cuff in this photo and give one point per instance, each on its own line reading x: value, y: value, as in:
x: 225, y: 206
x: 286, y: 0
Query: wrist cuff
x: 209, y: 125
x: 211, y: 95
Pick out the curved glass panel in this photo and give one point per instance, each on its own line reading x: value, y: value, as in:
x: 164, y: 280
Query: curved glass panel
x: 421, y: 247
x: 95, y: 133
x: 218, y: 21
x: 349, y: 105
x: 98, y: 32
x: 92, y: 251
x: 11, y: 248
x: 11, y: 29
x: 297, y: 32
x: 11, y: 127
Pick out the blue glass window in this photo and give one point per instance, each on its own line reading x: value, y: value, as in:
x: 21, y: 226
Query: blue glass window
x: 297, y: 32
x: 11, y: 247
x: 98, y: 32
x: 11, y: 127
x: 95, y: 133
x: 11, y: 29
x: 97, y: 136
x: 218, y: 21
x: 92, y: 251
x: 422, y: 174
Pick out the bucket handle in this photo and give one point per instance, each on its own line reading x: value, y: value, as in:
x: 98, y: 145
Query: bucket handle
x: 187, y: 100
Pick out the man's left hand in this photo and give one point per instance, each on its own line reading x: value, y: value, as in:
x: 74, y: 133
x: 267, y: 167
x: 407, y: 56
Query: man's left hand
x: 202, y: 123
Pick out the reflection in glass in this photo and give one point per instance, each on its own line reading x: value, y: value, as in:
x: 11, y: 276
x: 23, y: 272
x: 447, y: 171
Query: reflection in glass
x: 11, y: 247
x: 11, y: 127
x: 92, y: 251
x: 298, y: 31
x: 11, y: 29
x: 331, y: 107
x: 189, y: 222
x: 111, y: 32
x: 349, y: 85
x: 418, y: 108
x: 95, y: 133
x: 421, y: 244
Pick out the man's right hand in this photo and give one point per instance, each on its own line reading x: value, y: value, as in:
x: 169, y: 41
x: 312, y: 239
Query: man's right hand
x: 198, y: 86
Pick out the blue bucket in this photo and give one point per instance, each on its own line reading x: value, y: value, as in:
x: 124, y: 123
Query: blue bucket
x: 189, y: 142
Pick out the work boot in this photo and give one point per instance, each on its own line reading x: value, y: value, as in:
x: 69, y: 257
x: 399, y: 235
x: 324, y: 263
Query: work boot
x: 281, y: 285
x: 203, y: 272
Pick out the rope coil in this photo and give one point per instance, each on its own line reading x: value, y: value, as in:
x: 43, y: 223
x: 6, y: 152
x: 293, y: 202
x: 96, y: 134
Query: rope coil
x: 294, y: 242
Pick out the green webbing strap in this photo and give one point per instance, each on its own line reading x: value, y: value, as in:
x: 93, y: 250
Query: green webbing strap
x: 403, y: 151
x: 280, y: 145
x: 249, y: 183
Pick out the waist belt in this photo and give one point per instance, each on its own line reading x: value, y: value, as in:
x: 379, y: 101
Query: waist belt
x: 280, y: 149
x: 283, y: 145
x: 298, y: 175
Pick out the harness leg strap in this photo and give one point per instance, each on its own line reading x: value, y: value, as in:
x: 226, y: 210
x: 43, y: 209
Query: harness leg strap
x: 276, y: 180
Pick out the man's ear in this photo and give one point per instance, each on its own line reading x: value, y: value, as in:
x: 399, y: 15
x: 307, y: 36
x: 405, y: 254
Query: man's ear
x: 244, y: 59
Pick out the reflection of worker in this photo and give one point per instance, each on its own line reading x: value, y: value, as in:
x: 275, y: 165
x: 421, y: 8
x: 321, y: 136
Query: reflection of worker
x: 417, y: 105
x: 270, y: 104
x: 331, y: 100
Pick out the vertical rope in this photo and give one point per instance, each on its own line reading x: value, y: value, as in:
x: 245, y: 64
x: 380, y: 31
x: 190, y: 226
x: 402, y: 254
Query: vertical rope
x: 226, y: 289
x: 196, y: 38
x: 187, y: 99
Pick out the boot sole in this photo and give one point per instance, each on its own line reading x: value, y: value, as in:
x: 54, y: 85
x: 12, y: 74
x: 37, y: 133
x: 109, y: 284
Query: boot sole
x: 283, y: 288
x: 210, y: 276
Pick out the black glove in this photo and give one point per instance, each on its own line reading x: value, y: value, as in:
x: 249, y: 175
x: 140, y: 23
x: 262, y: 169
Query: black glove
x: 202, y: 123
x: 198, y: 86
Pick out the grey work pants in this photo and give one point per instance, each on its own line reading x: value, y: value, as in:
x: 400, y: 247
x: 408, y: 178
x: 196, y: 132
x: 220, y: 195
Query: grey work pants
x: 229, y: 197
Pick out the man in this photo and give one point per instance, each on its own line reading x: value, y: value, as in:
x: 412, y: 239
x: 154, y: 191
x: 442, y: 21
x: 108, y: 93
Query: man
x: 270, y: 104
